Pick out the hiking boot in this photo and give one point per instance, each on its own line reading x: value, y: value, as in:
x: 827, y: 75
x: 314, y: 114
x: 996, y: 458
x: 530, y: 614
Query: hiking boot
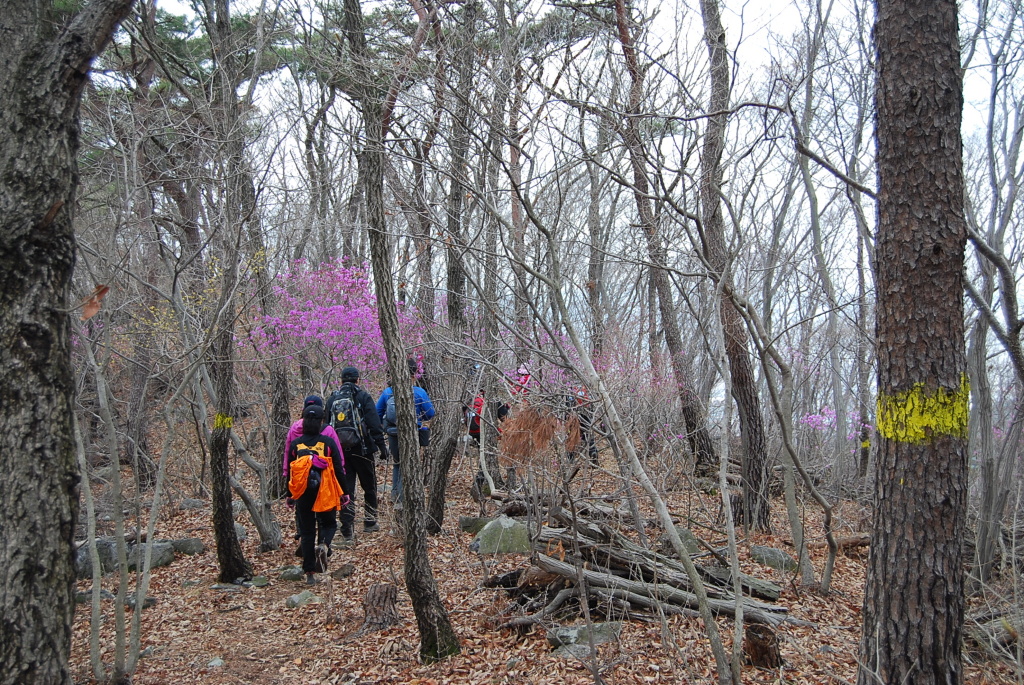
x: 311, y: 579
x: 370, y: 527
x: 321, y: 559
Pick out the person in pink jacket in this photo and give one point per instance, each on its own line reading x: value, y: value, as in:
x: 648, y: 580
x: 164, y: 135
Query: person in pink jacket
x: 296, y: 430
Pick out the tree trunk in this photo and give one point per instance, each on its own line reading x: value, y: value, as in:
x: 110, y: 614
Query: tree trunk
x: 996, y: 483
x: 379, y: 608
x: 437, y: 637
x: 43, y: 70
x: 761, y: 645
x: 232, y: 562
x: 744, y: 388
x: 863, y: 367
x: 913, y: 601
x: 454, y: 377
x: 693, y: 413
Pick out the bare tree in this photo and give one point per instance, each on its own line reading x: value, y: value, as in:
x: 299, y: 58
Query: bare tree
x: 46, y: 56
x: 437, y: 637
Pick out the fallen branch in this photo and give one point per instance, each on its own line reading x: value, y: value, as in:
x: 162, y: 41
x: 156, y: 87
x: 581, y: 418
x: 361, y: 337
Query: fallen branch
x: 754, y: 611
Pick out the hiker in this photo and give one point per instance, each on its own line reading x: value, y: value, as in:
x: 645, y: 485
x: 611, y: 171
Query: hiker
x: 294, y: 431
x: 352, y: 412
x: 519, y: 387
x: 315, y: 467
x: 386, y: 409
x: 498, y: 411
x: 579, y: 403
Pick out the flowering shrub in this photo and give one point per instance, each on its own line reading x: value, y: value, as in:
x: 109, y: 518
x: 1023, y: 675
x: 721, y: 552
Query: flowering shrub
x: 327, y: 319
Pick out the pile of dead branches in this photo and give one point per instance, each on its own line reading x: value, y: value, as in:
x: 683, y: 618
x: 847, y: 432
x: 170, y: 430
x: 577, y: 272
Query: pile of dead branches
x: 578, y: 559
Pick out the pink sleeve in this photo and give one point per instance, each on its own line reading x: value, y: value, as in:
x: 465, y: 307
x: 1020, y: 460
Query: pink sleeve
x: 293, y: 432
x: 329, y: 431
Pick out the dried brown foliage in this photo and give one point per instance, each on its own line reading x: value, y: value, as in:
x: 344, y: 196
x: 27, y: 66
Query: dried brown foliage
x: 262, y: 641
x: 529, y: 435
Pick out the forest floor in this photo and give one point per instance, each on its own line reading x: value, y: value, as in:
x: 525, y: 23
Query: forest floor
x: 259, y: 640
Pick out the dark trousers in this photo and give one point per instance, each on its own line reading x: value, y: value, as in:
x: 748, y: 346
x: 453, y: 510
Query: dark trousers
x: 396, y: 471
x: 314, y: 528
x: 586, y: 438
x: 358, y: 466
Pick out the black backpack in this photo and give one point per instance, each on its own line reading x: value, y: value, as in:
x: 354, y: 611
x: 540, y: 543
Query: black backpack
x: 347, y: 418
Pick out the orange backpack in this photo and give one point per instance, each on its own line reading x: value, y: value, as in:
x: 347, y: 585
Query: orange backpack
x: 305, y: 475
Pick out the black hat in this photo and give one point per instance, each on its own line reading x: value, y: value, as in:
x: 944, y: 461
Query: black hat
x: 313, y: 411
x: 349, y: 374
x: 313, y: 399
x: 413, y: 366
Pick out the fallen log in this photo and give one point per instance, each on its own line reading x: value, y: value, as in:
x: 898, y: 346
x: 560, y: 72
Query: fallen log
x: 753, y: 610
x: 646, y: 602
x: 643, y: 564
x: 844, y: 543
x: 552, y: 607
x: 755, y: 587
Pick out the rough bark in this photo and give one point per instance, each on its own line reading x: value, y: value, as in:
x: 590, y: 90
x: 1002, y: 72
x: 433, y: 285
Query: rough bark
x: 914, y: 603
x: 230, y: 558
x: 693, y: 413
x: 437, y: 637
x: 43, y: 69
x: 744, y: 389
x: 379, y: 608
x: 444, y: 450
x: 761, y: 645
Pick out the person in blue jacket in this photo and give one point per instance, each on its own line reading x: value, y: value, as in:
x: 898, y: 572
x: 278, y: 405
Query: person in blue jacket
x: 386, y: 410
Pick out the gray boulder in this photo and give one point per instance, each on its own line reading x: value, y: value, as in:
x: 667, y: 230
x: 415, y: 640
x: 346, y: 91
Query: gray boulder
x: 163, y: 555
x: 107, y: 550
x: 775, y: 558
x: 473, y: 524
x: 343, y: 571
x: 189, y: 503
x: 503, y: 535
x: 690, y: 543
x: 189, y: 546
x: 240, y: 532
x: 574, y: 641
x: 302, y: 599
x: 85, y: 597
x: 147, y: 602
x: 292, y: 573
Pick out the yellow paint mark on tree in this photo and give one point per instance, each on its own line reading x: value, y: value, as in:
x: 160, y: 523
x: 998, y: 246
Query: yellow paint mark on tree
x: 222, y: 421
x: 866, y: 444
x: 918, y: 415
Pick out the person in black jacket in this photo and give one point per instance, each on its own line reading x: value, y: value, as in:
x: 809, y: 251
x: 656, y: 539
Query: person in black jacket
x: 359, y: 458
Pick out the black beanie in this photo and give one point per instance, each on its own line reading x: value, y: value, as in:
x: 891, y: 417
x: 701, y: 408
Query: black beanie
x: 349, y: 374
